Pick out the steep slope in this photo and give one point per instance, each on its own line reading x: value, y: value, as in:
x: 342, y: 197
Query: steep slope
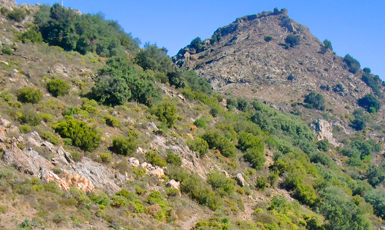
x: 250, y: 58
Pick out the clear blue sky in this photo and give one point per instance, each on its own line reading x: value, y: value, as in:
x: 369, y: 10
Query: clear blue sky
x: 354, y: 27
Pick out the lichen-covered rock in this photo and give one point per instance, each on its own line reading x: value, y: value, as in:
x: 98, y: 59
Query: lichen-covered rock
x: 173, y: 184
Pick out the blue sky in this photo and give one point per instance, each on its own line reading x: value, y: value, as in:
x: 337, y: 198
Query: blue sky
x: 354, y: 27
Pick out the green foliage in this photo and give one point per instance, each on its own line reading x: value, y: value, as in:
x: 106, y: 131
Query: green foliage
x: 255, y: 157
x: 199, y: 145
x: 243, y: 105
x: 268, y: 38
x: 154, y: 58
x: 375, y: 175
x: 338, y: 88
x: 51, y: 138
x: 76, y: 156
x: 367, y: 70
x: 112, y: 121
x: 7, y: 50
x: 111, y: 90
x: 292, y: 40
x: 176, y: 78
x: 261, y: 183
x: 84, y: 33
x: 376, y: 197
x: 315, y: 100
x: 154, y: 159
x: 82, y: 135
x: 323, y: 145
x: 327, y: 46
x: 360, y: 119
x: 214, y: 112
x: 32, y: 35
x: 368, y: 102
x: 220, y: 183
x: 29, y: 116
x: 373, y: 82
x: 58, y: 87
x: 216, y: 140
x: 106, y: 157
x: 18, y: 14
x: 353, y: 64
x: 340, y: 212
x: 197, y: 44
x: 174, y: 159
x: 25, y: 129
x: 166, y: 112
x: 306, y: 194
x: 123, y: 146
x: 201, y: 123
x: 231, y: 103
x: 248, y: 140
x: 198, y: 84
x: 29, y: 95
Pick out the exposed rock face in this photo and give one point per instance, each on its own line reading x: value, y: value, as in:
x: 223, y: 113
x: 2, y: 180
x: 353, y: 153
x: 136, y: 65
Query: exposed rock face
x: 241, y: 180
x: 323, y: 131
x: 240, y: 61
x: 85, y: 175
x: 9, y: 4
x: 173, y: 184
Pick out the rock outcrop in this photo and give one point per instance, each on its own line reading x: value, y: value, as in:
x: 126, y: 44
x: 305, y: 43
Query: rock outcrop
x: 324, y: 131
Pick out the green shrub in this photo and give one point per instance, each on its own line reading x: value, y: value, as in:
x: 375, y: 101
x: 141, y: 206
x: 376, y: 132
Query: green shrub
x: 155, y: 159
x: 248, y: 140
x: 123, y: 146
x: 130, y: 196
x: 268, y: 38
x: 306, y: 194
x: 327, y: 46
x: 118, y: 201
x: 376, y: 197
x: 201, y: 123
x: 292, y: 40
x: 76, y: 156
x: 172, y: 191
x: 82, y: 135
x: 139, y: 190
x: 106, y: 157
x: 198, y: 145
x: 7, y: 50
x: 353, y: 64
x: 112, y: 121
x: 323, y: 145
x: 51, y: 138
x: 373, y: 82
x: 315, y: 100
x: 216, y: 140
x: 214, y: 112
x: 370, y: 103
x: 17, y: 14
x: 167, y: 113
x: 31, y: 35
x: 220, y: 183
x: 111, y: 90
x: 29, y: 95
x: 25, y: 129
x: 261, y: 183
x: 255, y: 157
x: 58, y: 87
x: 29, y: 116
x: 174, y: 159
x: 154, y: 58
x: 197, y: 44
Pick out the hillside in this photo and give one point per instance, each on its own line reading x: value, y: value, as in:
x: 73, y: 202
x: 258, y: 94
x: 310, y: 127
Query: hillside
x: 96, y: 132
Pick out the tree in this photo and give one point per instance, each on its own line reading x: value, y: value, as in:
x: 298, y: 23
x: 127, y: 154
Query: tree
x: 123, y: 146
x: 216, y: 140
x: 327, y: 46
x: 197, y: 44
x: 370, y: 103
x: 166, y: 112
x: 292, y: 40
x: 376, y: 197
x: 315, y: 100
x: 353, y: 64
x: 154, y: 58
x: 58, y: 87
x: 255, y: 157
x: 29, y: 95
x: 111, y: 90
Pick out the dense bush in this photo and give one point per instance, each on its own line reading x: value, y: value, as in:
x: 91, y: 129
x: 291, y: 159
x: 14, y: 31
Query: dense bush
x: 166, y: 112
x: 376, y: 197
x: 30, y: 116
x: 197, y: 83
x: 82, y: 135
x: 112, y: 121
x: 220, y: 183
x: 154, y: 58
x: 370, y: 103
x: 292, y: 40
x: 111, y: 90
x: 29, y: 95
x: 197, y: 44
x: 216, y: 140
x: 214, y: 112
x: 268, y: 38
x: 123, y: 146
x: 31, y: 35
x: 84, y: 33
x: 315, y: 100
x: 201, y: 123
x: 373, y: 82
x: 243, y: 105
x: 199, y: 145
x: 17, y: 14
x: 360, y: 119
x: 353, y: 64
x: 323, y: 145
x: 338, y: 88
x: 327, y: 46
x: 255, y: 157
x: 375, y: 175
x: 174, y: 159
x: 7, y: 50
x: 154, y: 159
x: 231, y: 103
x: 58, y: 87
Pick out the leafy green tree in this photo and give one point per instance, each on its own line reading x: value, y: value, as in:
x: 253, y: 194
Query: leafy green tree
x: 176, y: 78
x: 166, y: 112
x: 353, y: 64
x: 375, y: 175
x: 216, y: 140
x: 197, y: 83
x: 255, y: 157
x: 315, y: 100
x: 111, y: 90
x: 370, y: 103
x: 199, y: 145
x: 123, y: 146
x: 327, y: 46
x: 33, y: 35
x: 360, y: 119
x: 242, y: 105
x: 29, y: 95
x: 82, y: 135
x: 292, y: 40
x: 268, y: 38
x: 58, y: 87
x: 373, y: 82
x: 197, y: 44
x: 154, y: 58
x: 376, y: 197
